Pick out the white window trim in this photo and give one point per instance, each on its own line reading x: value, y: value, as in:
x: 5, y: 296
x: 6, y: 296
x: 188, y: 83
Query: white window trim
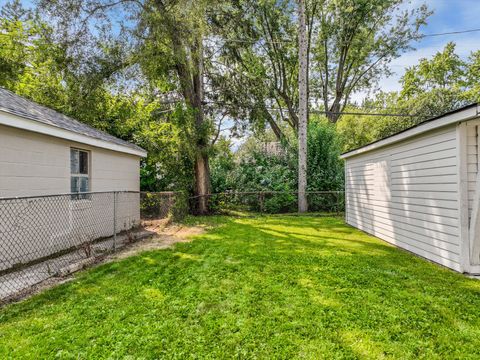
x: 89, y: 169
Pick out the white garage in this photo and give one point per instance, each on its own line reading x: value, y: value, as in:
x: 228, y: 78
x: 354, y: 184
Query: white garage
x: 420, y: 189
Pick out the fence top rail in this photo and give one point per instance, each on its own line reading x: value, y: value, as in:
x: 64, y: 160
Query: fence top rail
x: 268, y: 192
x: 67, y: 194
x: 161, y: 192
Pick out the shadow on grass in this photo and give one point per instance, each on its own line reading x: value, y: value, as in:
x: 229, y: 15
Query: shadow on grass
x: 256, y: 287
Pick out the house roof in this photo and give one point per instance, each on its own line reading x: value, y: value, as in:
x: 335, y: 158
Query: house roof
x: 464, y: 113
x: 16, y: 105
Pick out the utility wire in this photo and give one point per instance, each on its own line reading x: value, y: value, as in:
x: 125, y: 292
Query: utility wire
x: 331, y: 112
x: 326, y: 112
x: 282, y: 41
x: 361, y: 113
x: 164, y: 111
x: 451, y: 33
x: 313, y: 111
x: 355, y: 106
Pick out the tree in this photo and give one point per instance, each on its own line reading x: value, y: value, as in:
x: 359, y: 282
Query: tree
x: 25, y: 51
x: 222, y: 166
x: 183, y: 25
x: 436, y: 85
x: 472, y: 77
x: 433, y: 87
x: 15, y: 33
x: 165, y: 40
x: 92, y: 88
x: 254, y: 168
x: 444, y: 71
x: 303, y: 106
x: 259, y: 54
x: 349, y: 44
x: 326, y: 169
x: 354, y: 40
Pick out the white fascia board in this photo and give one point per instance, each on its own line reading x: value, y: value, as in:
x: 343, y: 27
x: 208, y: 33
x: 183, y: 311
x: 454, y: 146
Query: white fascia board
x: 24, y: 123
x: 456, y: 117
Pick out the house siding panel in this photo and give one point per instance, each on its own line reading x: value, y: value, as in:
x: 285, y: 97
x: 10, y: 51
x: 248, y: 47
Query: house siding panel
x: 407, y: 194
x: 33, y: 164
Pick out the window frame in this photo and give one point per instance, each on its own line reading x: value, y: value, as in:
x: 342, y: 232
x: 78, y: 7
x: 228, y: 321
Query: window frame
x: 78, y: 194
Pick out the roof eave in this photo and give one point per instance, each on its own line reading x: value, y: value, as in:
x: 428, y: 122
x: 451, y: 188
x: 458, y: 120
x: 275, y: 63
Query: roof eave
x: 29, y: 124
x: 467, y: 113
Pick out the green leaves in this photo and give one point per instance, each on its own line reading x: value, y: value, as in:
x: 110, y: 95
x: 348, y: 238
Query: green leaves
x: 259, y: 45
x: 444, y: 71
x: 431, y: 88
x: 103, y: 82
x: 21, y: 45
x: 352, y: 44
x: 266, y: 165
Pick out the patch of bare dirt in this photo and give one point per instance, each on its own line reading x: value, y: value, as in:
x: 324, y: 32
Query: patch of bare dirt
x: 165, y: 235
x: 156, y: 225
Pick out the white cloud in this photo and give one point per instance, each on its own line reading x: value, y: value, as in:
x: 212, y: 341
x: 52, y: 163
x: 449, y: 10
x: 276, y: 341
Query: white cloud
x: 449, y: 15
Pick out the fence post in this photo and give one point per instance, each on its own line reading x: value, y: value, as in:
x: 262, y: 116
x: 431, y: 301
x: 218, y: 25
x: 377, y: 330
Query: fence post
x: 337, y: 194
x: 114, y: 221
x: 262, y: 202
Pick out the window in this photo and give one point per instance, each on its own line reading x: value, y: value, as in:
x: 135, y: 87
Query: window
x: 79, y: 172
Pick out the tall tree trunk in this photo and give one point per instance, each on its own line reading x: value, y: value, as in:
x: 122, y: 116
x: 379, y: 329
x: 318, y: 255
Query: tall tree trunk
x: 302, y: 107
x: 333, y: 113
x: 202, y: 168
x: 189, y: 68
x: 202, y: 181
x: 274, y: 126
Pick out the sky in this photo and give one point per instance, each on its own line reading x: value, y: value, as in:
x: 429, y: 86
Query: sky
x: 448, y: 16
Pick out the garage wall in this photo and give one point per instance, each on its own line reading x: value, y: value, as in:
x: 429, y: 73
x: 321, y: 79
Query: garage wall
x: 32, y: 164
x: 406, y: 194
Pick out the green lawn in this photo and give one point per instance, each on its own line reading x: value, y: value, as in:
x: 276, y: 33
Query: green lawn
x: 268, y: 287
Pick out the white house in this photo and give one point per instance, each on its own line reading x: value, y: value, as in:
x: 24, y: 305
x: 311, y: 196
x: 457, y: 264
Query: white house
x: 420, y: 189
x: 43, y: 152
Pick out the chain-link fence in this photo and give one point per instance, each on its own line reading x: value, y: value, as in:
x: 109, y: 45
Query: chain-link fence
x: 42, y: 236
x: 269, y: 202
x: 46, y: 236
x: 160, y: 205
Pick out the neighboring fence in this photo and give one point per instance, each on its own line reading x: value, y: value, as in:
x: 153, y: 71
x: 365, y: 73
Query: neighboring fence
x: 159, y: 205
x: 45, y: 236
x: 270, y: 202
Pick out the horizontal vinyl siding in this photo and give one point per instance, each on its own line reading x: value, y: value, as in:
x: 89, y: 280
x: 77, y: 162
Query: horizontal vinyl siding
x: 406, y: 194
x: 35, y: 164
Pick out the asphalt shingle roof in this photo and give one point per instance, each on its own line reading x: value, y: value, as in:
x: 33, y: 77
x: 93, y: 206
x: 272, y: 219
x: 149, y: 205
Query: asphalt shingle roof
x: 17, y: 105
